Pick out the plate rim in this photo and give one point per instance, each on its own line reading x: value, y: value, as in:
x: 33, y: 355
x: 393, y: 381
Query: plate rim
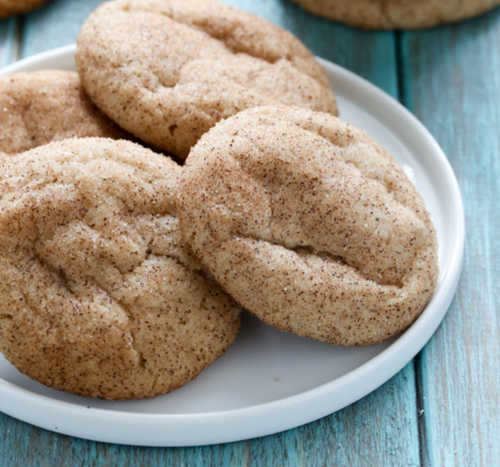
x: 145, y: 429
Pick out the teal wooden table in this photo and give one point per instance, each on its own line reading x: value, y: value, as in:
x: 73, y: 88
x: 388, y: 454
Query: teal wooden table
x: 443, y: 409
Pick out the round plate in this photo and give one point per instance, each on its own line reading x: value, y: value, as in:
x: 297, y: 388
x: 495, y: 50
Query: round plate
x: 269, y: 381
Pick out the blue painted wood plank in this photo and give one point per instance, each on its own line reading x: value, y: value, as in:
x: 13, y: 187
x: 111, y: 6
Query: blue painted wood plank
x: 55, y: 25
x: 453, y: 85
x: 369, y: 433
x: 7, y: 41
x: 369, y: 54
x: 379, y: 430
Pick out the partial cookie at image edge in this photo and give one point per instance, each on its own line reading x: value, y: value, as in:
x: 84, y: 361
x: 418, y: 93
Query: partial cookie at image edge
x: 397, y: 14
x: 14, y: 7
x: 40, y: 107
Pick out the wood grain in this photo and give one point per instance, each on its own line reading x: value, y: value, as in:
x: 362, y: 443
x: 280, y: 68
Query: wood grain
x: 452, y: 78
x: 376, y: 431
x: 380, y: 430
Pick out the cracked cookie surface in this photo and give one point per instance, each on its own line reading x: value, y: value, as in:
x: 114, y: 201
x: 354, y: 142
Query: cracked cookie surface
x: 99, y: 296
x: 397, y: 14
x: 39, y: 107
x: 168, y: 70
x: 310, y: 225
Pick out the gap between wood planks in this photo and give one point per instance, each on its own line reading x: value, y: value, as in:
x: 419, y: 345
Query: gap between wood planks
x: 18, y: 35
x: 423, y: 446
x: 11, y: 52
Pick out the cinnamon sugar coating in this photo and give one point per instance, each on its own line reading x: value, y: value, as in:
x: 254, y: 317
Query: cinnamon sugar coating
x: 168, y: 70
x: 43, y: 106
x: 310, y: 225
x: 397, y: 14
x: 99, y: 296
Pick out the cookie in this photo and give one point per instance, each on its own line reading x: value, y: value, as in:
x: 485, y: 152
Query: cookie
x: 99, y: 296
x: 43, y: 106
x: 13, y: 7
x: 310, y: 225
x: 397, y: 14
x: 169, y: 70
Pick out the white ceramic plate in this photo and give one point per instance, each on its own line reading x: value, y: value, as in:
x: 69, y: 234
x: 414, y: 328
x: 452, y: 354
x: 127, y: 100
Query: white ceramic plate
x: 269, y: 381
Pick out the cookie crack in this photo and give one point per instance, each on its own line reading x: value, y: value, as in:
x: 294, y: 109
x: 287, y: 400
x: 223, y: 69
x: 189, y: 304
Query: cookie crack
x: 110, y: 292
x: 39, y: 186
x: 304, y: 248
x: 25, y: 121
x: 57, y: 273
x: 200, y: 105
x: 148, y: 176
x: 142, y: 361
x: 65, y: 282
x: 382, y: 183
x: 227, y: 37
x: 326, y: 255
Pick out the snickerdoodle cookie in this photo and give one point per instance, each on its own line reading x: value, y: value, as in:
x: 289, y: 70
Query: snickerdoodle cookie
x: 13, y: 7
x: 99, y: 296
x: 43, y: 106
x: 310, y: 225
x: 397, y: 14
x: 168, y: 70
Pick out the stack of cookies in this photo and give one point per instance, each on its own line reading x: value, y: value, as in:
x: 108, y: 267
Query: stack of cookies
x: 123, y: 272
